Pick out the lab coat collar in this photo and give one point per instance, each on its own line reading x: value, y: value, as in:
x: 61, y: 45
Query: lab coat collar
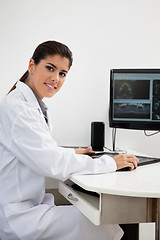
x: 28, y: 94
x: 31, y: 98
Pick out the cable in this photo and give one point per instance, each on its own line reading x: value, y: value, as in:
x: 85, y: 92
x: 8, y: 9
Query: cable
x: 148, y: 135
x: 114, y: 138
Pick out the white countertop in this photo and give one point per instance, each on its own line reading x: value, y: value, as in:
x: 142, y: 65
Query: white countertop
x: 141, y: 182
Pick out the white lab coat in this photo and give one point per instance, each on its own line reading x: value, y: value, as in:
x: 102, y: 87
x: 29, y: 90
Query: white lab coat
x: 28, y: 154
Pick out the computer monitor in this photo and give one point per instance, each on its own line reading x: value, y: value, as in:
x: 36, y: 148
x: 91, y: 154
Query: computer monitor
x: 135, y: 99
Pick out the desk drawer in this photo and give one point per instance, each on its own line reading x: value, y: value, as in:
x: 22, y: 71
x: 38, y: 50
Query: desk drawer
x: 106, y: 209
x: 87, y: 204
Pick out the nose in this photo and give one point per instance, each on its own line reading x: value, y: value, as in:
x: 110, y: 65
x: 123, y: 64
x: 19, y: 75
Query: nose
x: 55, y: 77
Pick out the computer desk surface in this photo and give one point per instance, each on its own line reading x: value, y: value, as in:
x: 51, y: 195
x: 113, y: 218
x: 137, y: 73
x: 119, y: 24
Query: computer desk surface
x: 144, y: 181
x: 124, y: 197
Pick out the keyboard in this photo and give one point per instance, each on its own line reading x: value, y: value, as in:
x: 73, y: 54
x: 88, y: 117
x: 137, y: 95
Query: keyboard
x: 143, y: 160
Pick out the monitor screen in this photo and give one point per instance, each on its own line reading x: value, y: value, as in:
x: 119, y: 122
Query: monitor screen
x: 135, y: 99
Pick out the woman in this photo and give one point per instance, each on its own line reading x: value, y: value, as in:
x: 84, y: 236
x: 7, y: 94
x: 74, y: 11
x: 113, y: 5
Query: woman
x: 28, y: 154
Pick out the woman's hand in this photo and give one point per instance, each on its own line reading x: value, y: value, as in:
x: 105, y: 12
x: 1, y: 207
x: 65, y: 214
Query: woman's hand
x: 87, y: 151
x: 126, y: 160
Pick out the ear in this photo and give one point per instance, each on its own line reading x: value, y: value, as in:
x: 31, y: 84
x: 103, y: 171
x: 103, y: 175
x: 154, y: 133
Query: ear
x: 31, y: 65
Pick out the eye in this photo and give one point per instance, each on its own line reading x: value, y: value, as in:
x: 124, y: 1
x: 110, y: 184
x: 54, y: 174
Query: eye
x: 62, y: 74
x: 50, y: 68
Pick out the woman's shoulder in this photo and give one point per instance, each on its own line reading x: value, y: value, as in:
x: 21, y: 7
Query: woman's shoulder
x: 15, y: 104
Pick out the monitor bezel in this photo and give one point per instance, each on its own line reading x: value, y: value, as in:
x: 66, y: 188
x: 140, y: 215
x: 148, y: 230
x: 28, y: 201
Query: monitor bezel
x: 135, y: 125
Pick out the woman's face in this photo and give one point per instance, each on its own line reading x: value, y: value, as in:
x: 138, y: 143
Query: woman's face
x: 47, y: 77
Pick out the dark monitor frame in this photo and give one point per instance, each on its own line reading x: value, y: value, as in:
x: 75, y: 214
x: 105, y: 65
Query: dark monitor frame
x: 139, y: 125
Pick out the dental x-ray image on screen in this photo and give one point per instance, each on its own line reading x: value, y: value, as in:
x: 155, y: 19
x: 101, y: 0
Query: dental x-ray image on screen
x: 135, y: 99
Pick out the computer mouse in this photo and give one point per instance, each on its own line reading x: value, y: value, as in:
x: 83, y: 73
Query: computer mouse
x: 125, y: 169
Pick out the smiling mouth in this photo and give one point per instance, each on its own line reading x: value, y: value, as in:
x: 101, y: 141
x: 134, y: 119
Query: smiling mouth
x: 50, y: 86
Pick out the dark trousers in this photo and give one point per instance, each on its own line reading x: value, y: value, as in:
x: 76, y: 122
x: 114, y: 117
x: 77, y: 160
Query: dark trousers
x: 131, y: 231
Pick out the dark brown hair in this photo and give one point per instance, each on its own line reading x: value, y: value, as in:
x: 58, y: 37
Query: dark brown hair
x: 45, y: 49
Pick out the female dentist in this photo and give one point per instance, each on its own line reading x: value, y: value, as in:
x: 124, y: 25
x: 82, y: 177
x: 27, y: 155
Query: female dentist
x: 28, y: 154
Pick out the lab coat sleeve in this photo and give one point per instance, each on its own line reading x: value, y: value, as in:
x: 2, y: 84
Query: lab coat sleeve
x: 33, y: 145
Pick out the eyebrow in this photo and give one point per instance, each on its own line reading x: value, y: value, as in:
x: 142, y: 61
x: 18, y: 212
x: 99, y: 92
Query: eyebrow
x: 56, y: 67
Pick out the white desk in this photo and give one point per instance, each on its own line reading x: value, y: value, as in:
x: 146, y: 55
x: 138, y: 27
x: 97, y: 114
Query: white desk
x: 124, y: 197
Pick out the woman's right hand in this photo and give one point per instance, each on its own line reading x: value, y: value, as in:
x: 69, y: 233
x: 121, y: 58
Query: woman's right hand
x: 126, y: 160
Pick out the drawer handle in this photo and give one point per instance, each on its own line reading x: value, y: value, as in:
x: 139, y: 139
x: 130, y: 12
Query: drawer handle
x: 70, y: 196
